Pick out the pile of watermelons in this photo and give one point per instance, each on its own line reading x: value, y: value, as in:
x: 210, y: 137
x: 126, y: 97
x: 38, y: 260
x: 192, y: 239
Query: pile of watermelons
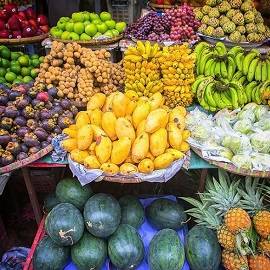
x: 90, y: 227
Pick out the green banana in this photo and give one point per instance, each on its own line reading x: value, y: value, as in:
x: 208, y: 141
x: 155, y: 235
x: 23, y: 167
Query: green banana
x: 199, y: 48
x: 249, y: 89
x: 231, y: 67
x: 242, y: 79
x: 248, y: 59
x: 235, y: 50
x: 220, y: 48
x: 239, y: 60
x: 226, y: 100
x: 201, y: 88
x: 240, y: 92
x: 268, y: 69
x: 195, y: 85
x: 257, y: 94
x: 253, y: 93
x: 208, y: 65
x: 217, y: 71
x: 258, y: 71
x: 251, y: 69
x: 221, y: 104
x: 203, y: 61
x: 264, y: 71
x: 212, y: 68
x: 208, y: 95
x: 223, y: 70
x: 234, y: 98
x: 237, y: 75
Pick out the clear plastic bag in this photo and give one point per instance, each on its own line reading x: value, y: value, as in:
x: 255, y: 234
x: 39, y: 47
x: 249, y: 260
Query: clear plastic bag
x: 242, y: 161
x: 238, y: 144
x: 260, y: 142
x: 243, y: 126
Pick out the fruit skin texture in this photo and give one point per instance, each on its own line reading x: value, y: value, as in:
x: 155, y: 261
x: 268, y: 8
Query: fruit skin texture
x: 128, y: 168
x: 232, y: 261
x: 155, y: 120
x: 84, y: 137
x: 91, y: 162
x: 163, y: 161
x: 262, y: 223
x: 103, y: 149
x: 174, y: 135
x: 146, y: 166
x: 124, y: 128
x: 69, y: 144
x: 120, y: 150
x: 140, y: 147
x: 108, y: 124
x: 166, y: 251
x: 125, y: 247
x: 264, y: 246
x: 202, y: 249
x: 259, y: 262
x: 226, y: 238
x: 119, y: 104
x: 102, y: 215
x: 140, y: 113
x: 158, y: 142
x: 109, y: 168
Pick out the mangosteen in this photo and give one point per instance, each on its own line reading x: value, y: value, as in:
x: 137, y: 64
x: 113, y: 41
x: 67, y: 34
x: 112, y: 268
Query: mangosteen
x: 64, y: 122
x: 24, y: 148
x: 2, y: 110
x: 21, y: 88
x: 3, y: 97
x: 68, y: 114
x: 52, y: 91
x: 22, y: 131
x: 13, y: 147
x: 29, y: 85
x: 48, y: 124
x: 14, y: 137
x: 30, y: 139
x: 33, y: 150
x: 33, y: 92
x: 57, y: 109
x: 57, y: 130
x: 45, y: 114
x: 38, y: 104
x: 20, y: 121
x: 5, y: 88
x: 32, y: 124
x: 48, y: 105
x: 14, y: 94
x: 28, y: 112
x: 44, y: 144
x: 74, y: 110
x: 11, y: 111
x: 4, y: 137
x: 22, y: 156
x: 41, y: 134
x: 6, y: 123
x: 65, y: 103
x: 49, y: 139
x: 23, y: 102
x: 7, y: 158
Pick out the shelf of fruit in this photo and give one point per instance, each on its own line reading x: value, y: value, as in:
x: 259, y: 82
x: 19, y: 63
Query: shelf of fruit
x: 88, y: 28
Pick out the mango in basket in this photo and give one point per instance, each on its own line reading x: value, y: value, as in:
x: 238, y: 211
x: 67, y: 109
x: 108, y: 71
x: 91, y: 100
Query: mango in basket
x: 96, y: 101
x: 176, y: 153
x: 155, y: 120
x: 128, y: 168
x: 78, y: 155
x: 146, y: 166
x: 108, y: 124
x: 140, y: 147
x: 91, y: 162
x: 109, y: 168
x: 158, y: 142
x: 85, y: 137
x: 120, y: 150
x: 69, y: 144
x: 103, y: 148
x: 163, y: 161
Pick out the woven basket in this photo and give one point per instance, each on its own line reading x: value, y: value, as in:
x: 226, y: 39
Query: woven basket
x: 22, y: 41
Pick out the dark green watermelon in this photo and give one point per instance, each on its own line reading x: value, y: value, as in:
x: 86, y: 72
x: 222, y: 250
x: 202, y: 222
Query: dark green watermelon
x: 125, y: 248
x: 49, y: 256
x: 64, y: 224
x: 164, y: 213
x: 89, y: 253
x: 166, y: 251
x: 132, y: 211
x: 69, y: 190
x: 202, y: 249
x: 102, y: 215
x: 50, y: 202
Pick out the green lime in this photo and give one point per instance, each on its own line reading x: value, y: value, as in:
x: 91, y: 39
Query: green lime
x: 16, y: 69
x: 24, y: 60
x: 5, y: 63
x: 10, y: 76
x: 41, y: 59
x: 27, y: 79
x: 2, y: 72
x: 20, y: 77
x: 34, y: 56
x: 2, y: 80
x: 14, y: 55
x: 17, y: 81
x: 34, y: 73
x: 25, y: 71
x: 35, y: 62
x: 5, y: 53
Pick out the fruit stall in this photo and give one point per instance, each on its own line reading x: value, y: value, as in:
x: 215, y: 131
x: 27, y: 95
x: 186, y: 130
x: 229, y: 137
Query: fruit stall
x: 184, y: 89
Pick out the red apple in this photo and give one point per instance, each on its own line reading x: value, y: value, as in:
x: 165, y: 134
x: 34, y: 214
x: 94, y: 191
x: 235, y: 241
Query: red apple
x: 3, y: 15
x: 33, y: 23
x: 30, y: 13
x: 160, y: 2
x: 22, y: 14
x: 20, y: 18
x: 24, y: 24
x: 2, y: 25
x: 11, y: 8
x: 13, y: 23
x: 29, y: 31
x: 17, y: 34
x: 44, y: 28
x: 42, y: 19
x: 5, y: 34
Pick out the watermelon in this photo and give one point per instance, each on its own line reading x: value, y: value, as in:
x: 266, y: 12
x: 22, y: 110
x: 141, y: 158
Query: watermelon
x: 166, y: 251
x: 132, y: 211
x: 102, y: 215
x: 64, y: 224
x: 202, y: 249
x: 69, y: 190
x: 50, y: 202
x: 164, y: 213
x: 49, y: 256
x: 89, y: 253
x: 125, y: 248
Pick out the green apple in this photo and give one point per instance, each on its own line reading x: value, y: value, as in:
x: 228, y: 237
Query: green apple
x: 78, y: 28
x: 115, y: 33
x: 74, y: 36
x: 93, y: 16
x: 97, y: 21
x: 86, y: 23
x: 56, y: 32
x: 78, y: 17
x: 65, y: 35
x: 108, y: 33
x: 102, y: 28
x: 97, y: 35
x: 70, y: 26
x: 64, y: 19
x: 91, y: 29
x: 111, y: 24
x: 61, y: 25
x: 120, y: 26
x: 86, y: 15
x: 105, y: 16
x: 85, y: 37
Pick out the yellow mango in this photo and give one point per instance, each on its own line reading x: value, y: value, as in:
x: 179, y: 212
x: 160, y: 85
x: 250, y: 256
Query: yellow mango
x: 119, y: 104
x: 78, y: 155
x: 132, y: 95
x: 175, y: 136
x: 72, y: 133
x: 140, y: 113
x: 84, y: 137
x: 97, y: 132
x: 73, y: 127
x: 95, y: 117
x: 163, y: 161
x: 150, y: 155
x: 103, y: 149
x: 128, y: 168
x: 91, y: 162
x: 158, y: 142
x: 156, y: 100
x: 186, y: 134
x: 96, y: 101
x: 155, y: 120
x: 124, y: 128
x: 108, y: 103
x: 140, y: 128
x: 146, y: 166
x: 108, y: 124
x: 109, y: 168
x: 82, y: 119
x: 92, y: 148
x: 140, y: 147
x: 131, y: 107
x: 69, y: 144
x: 142, y: 100
x: 181, y: 110
x: 176, y: 153
x: 120, y: 150
x: 184, y: 147
x: 177, y: 118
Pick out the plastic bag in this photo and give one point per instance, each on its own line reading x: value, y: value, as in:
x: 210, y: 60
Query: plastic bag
x: 263, y: 124
x: 260, y: 142
x: 197, y: 117
x: 238, y: 144
x: 14, y: 258
x: 243, y: 126
x: 247, y: 114
x: 261, y: 162
x: 242, y: 161
x: 261, y: 112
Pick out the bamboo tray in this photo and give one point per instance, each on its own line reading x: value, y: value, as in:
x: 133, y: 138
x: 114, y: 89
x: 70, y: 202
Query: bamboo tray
x: 232, y: 168
x: 22, y: 163
x: 22, y: 41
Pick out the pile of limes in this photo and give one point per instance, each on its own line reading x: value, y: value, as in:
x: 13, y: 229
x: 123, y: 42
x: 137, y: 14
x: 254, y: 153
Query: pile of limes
x: 17, y: 67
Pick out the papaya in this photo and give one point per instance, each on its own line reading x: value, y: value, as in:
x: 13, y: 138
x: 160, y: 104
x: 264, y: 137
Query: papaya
x: 78, y: 155
x: 82, y: 119
x: 156, y: 100
x: 140, y: 128
x: 72, y: 133
x: 109, y: 168
x: 128, y: 168
x: 140, y: 147
x: 96, y: 101
x: 84, y: 137
x: 176, y: 153
x: 95, y: 117
x: 146, y: 166
x: 155, y: 120
x: 119, y: 104
x: 163, y: 161
x: 108, y: 103
x: 174, y: 135
x: 69, y: 144
x: 158, y: 142
x: 140, y: 113
x: 97, y: 131
x: 108, y: 124
x: 120, y: 150
x: 91, y: 162
x: 103, y: 148
x: 124, y: 128
x: 177, y: 118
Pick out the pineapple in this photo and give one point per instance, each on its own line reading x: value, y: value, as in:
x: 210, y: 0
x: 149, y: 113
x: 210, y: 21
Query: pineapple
x: 233, y: 261
x: 261, y: 222
x: 264, y: 246
x: 259, y: 262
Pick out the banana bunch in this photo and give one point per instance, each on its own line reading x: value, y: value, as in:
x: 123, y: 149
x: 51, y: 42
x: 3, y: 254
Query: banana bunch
x: 142, y: 69
x: 258, y: 92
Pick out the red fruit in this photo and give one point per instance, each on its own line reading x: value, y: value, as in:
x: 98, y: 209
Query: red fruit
x: 160, y: 2
x: 42, y: 20
x: 2, y: 25
x: 39, y: 32
x: 30, y: 13
x: 3, y: 15
x: 29, y: 31
x: 22, y: 14
x: 20, y: 18
x: 13, y: 23
x: 11, y: 8
x: 43, y: 96
x: 17, y: 34
x: 44, y: 28
x: 33, y: 23
x: 5, y: 34
x: 25, y: 24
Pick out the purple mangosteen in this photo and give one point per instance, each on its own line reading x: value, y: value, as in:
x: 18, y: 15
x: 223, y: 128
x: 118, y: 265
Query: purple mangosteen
x: 7, y: 158
x: 45, y: 114
x: 22, y: 131
x: 14, y: 94
x: 74, y: 110
x: 44, y: 144
x: 13, y: 147
x: 48, y: 124
x: 24, y: 148
x: 41, y: 134
x: 52, y: 91
x: 32, y: 124
x: 22, y: 156
x: 33, y: 150
x: 57, y: 130
x: 6, y: 123
x: 23, y: 102
x: 68, y: 114
x: 4, y: 137
x: 11, y: 111
x: 65, y: 103
x: 2, y: 110
x: 28, y: 112
x: 49, y: 139
x: 30, y: 139
x: 3, y: 98
x: 20, y: 121
x: 64, y: 122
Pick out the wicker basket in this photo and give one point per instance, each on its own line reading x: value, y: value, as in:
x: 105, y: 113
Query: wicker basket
x: 23, y: 41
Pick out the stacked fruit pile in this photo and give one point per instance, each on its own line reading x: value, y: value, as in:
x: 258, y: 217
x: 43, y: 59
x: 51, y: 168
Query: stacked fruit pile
x: 177, y: 24
x: 78, y: 73
x: 127, y: 134
x: 149, y: 70
x: 18, y: 24
x: 17, y: 67
x: 86, y: 26
x: 238, y: 20
x: 241, y: 220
